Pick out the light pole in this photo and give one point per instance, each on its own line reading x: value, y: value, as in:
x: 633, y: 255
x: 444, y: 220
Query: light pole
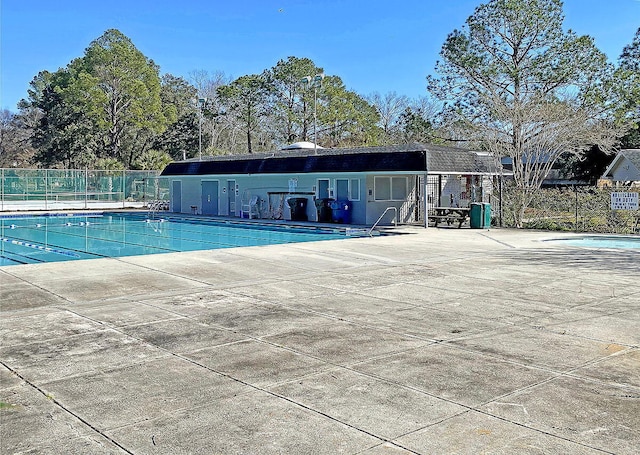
x: 314, y: 82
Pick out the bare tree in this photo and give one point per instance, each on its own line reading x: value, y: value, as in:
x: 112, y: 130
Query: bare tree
x: 390, y: 107
x: 15, y: 139
x: 222, y: 130
x: 427, y: 106
x: 548, y: 129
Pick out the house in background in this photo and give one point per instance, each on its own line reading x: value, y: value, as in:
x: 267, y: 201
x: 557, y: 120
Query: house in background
x: 368, y: 180
x: 555, y: 178
x: 624, y: 170
x: 458, y: 177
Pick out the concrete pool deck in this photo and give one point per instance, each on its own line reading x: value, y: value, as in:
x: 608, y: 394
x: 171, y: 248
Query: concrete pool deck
x: 438, y: 341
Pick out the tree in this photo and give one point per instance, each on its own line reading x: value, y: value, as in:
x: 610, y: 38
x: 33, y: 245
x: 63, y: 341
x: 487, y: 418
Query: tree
x: 628, y: 75
x: 626, y: 83
x: 631, y: 140
x: 391, y: 108
x: 246, y: 98
x: 414, y: 126
x: 344, y: 117
x: 15, y: 147
x: 588, y: 167
x: 118, y: 86
x: 219, y: 130
x: 525, y: 88
x: 106, y: 104
x: 176, y: 95
x: 180, y: 139
x: 152, y: 160
x: 292, y: 112
x: 61, y: 132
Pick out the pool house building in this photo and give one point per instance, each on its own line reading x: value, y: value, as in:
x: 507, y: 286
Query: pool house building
x: 348, y: 185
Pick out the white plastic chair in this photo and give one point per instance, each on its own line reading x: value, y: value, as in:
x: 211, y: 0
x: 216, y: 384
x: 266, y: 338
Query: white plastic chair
x: 250, y: 207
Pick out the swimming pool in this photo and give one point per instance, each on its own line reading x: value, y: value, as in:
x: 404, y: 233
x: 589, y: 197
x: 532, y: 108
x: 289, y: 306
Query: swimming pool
x: 601, y: 241
x: 53, y: 238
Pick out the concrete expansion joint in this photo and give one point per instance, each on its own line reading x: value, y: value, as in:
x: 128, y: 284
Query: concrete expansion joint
x: 63, y: 408
x: 505, y: 349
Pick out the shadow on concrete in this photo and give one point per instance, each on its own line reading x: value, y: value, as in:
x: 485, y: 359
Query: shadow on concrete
x: 591, y: 259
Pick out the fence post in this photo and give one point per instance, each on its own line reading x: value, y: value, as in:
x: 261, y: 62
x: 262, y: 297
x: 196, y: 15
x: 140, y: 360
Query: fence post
x: 425, y: 200
x: 46, y: 189
x: 500, y: 179
x: 86, y: 187
x: 124, y: 178
x: 576, y: 190
x: 425, y: 188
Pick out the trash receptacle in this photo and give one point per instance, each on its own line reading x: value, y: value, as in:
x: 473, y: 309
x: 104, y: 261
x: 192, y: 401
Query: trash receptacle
x: 298, y: 207
x: 480, y: 215
x: 487, y: 215
x: 324, y: 209
x: 341, y: 211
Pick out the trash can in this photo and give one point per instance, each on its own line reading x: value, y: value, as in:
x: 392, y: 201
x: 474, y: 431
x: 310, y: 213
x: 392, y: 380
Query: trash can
x: 480, y: 215
x: 324, y: 209
x: 298, y: 206
x: 341, y: 211
x: 487, y: 215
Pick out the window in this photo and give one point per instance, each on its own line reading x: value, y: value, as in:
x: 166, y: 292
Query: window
x: 347, y: 189
x: 390, y: 188
x: 342, y: 189
x: 354, y: 190
x: 382, y: 188
x: 398, y: 188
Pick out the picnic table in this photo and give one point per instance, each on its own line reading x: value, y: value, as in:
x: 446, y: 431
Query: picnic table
x: 450, y: 215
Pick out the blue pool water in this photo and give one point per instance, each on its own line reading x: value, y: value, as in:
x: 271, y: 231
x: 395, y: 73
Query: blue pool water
x: 35, y: 239
x: 602, y: 241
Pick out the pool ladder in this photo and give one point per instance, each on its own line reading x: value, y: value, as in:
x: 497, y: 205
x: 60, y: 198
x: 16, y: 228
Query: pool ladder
x: 395, y: 219
x: 154, y: 206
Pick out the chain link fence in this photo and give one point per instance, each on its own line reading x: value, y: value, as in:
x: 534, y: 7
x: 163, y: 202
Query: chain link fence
x: 54, y: 189
x: 578, y: 209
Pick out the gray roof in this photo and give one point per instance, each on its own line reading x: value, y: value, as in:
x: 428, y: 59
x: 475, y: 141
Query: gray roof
x: 456, y: 161
x: 441, y: 159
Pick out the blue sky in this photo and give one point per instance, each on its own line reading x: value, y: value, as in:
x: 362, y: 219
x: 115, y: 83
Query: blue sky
x: 373, y: 45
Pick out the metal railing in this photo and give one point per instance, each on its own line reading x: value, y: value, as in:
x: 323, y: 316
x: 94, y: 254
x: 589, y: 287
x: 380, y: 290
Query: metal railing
x: 395, y: 219
x: 156, y: 206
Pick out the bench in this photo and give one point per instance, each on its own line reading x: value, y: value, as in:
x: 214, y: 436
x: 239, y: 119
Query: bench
x: 449, y: 219
x: 450, y: 215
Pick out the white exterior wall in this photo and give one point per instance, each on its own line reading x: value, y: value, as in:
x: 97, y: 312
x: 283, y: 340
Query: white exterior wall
x: 625, y: 171
x: 364, y: 210
x: 375, y: 208
x: 191, y: 192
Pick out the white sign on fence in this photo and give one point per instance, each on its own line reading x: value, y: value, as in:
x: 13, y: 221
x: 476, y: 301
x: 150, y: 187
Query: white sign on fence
x: 624, y: 201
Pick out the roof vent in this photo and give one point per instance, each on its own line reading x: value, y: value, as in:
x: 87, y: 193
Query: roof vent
x: 301, y: 146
